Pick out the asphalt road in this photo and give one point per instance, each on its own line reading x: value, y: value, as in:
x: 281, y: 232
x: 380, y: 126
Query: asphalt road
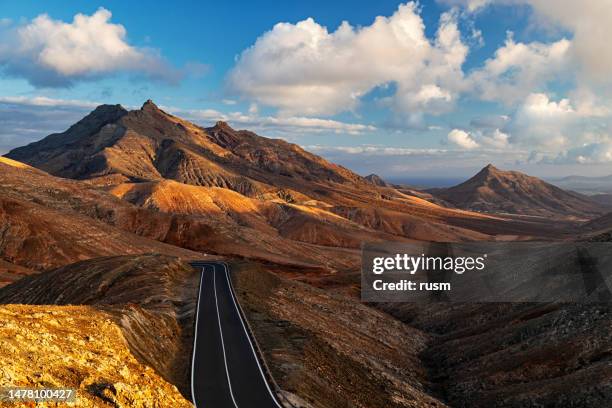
x: 225, y: 370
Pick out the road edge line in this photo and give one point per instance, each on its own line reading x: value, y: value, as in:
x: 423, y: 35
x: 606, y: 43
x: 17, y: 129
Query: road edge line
x: 229, y: 381
x: 195, y: 337
x: 242, y: 318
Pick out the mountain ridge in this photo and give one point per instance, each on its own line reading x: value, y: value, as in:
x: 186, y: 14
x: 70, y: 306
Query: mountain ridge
x: 149, y: 144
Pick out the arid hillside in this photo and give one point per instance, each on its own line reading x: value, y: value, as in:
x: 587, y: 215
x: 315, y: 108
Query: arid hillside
x: 99, y: 220
x: 496, y: 191
x: 151, y: 158
x: 149, y: 299
x: 47, y: 222
x: 516, y: 355
x: 78, y: 347
x: 45, y: 214
x: 142, y: 307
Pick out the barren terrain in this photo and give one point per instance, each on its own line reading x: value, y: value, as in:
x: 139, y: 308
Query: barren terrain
x: 98, y: 222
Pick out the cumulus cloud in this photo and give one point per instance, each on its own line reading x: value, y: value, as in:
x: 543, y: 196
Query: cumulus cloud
x: 467, y: 140
x: 462, y: 139
x: 305, y: 69
x: 589, y: 21
x: 50, y: 52
x: 543, y: 123
x: 591, y: 153
x: 497, y: 139
x: 518, y: 69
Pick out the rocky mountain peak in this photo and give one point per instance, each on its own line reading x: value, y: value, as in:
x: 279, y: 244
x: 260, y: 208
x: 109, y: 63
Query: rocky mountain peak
x: 490, y: 169
x: 149, y: 105
x: 376, y: 180
x: 222, y: 125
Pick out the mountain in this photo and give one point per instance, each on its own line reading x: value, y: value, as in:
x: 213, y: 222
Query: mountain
x: 149, y: 144
x: 603, y: 199
x: 47, y: 222
x: 253, y: 189
x: 495, y: 191
x: 586, y: 185
x: 377, y: 180
x: 158, y: 183
x: 96, y: 223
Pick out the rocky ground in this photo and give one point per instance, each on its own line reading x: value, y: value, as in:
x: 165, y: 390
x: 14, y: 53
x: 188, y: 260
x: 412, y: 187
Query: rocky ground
x: 324, y: 347
x: 516, y: 355
x: 331, y: 350
x: 80, y: 347
x: 150, y: 300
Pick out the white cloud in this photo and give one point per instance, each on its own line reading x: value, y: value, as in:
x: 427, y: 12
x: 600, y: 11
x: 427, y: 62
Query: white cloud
x: 370, y: 150
x: 305, y: 69
x: 469, y: 5
x: 543, y: 124
x: 538, y: 105
x: 50, y: 52
x: 557, y: 127
x: 292, y: 124
x: 497, y: 139
x: 462, y: 139
x: 592, y: 153
x: 477, y: 139
x: 46, y: 101
x: 518, y: 69
x: 589, y: 21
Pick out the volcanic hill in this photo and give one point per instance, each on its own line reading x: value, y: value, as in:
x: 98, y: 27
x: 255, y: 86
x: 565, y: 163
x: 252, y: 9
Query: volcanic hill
x: 246, y: 188
x: 495, y: 191
x: 104, y: 215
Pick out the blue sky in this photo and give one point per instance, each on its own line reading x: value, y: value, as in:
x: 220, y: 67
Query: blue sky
x: 406, y: 90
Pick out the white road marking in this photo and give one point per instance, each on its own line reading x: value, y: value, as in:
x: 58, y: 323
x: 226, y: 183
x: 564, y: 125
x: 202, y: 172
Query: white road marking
x: 248, y: 337
x: 195, y: 339
x: 222, y: 342
x: 236, y: 307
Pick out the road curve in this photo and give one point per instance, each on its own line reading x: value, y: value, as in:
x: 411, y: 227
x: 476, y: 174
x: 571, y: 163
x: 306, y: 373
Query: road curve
x: 225, y: 370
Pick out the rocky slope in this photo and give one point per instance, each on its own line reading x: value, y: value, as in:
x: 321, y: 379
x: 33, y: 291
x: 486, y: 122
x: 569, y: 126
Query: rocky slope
x: 9, y: 272
x: 112, y: 147
x: 598, y: 230
x: 377, y: 180
x: 328, y: 350
x: 77, y: 347
x: 48, y: 222
x: 51, y: 221
x: 149, y: 299
x: 150, y: 144
x: 496, y: 191
x: 516, y: 355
